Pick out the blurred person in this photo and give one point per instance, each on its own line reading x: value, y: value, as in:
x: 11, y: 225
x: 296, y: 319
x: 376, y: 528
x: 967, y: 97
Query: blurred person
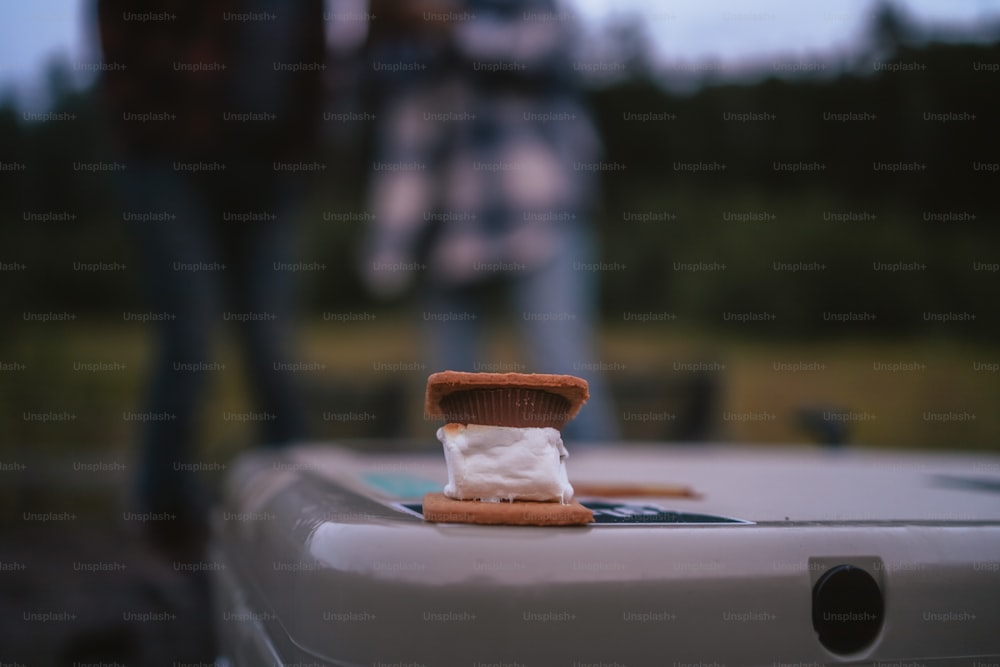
x: 207, y: 103
x: 477, y: 184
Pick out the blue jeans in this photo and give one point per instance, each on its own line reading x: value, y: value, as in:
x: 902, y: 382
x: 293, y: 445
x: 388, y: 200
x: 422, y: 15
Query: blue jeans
x: 200, y: 270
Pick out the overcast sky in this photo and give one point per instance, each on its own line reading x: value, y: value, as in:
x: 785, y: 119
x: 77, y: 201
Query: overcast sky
x: 725, y: 31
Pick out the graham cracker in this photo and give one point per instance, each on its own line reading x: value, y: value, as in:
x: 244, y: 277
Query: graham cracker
x: 505, y: 399
x: 633, y: 490
x: 439, y: 508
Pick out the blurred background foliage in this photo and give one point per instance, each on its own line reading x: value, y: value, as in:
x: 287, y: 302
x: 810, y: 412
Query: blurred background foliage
x: 694, y: 229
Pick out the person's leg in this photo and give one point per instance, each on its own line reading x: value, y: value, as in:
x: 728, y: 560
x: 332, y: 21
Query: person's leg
x: 556, y: 306
x: 181, y: 273
x: 263, y: 288
x: 453, y: 328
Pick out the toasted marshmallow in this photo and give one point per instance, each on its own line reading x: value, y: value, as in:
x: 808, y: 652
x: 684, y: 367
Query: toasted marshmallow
x: 503, y: 463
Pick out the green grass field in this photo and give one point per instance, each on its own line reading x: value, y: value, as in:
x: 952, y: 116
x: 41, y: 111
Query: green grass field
x: 913, y: 394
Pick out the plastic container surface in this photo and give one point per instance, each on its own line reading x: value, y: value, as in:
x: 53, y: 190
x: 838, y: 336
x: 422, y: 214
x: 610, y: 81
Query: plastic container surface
x: 792, y: 556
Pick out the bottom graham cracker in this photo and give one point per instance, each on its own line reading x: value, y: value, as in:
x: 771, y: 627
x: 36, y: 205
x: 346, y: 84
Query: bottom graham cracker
x: 439, y: 508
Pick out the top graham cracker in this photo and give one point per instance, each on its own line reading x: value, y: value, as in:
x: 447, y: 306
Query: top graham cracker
x: 445, y: 383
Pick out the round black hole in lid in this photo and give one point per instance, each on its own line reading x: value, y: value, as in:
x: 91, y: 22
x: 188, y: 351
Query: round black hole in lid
x: 847, y: 609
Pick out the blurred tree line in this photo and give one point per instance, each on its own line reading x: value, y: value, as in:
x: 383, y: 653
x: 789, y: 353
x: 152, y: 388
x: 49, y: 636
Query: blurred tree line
x: 666, y: 230
x: 843, y: 211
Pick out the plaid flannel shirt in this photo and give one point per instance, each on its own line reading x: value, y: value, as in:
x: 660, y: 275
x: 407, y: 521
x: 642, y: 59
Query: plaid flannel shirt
x: 484, y: 150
